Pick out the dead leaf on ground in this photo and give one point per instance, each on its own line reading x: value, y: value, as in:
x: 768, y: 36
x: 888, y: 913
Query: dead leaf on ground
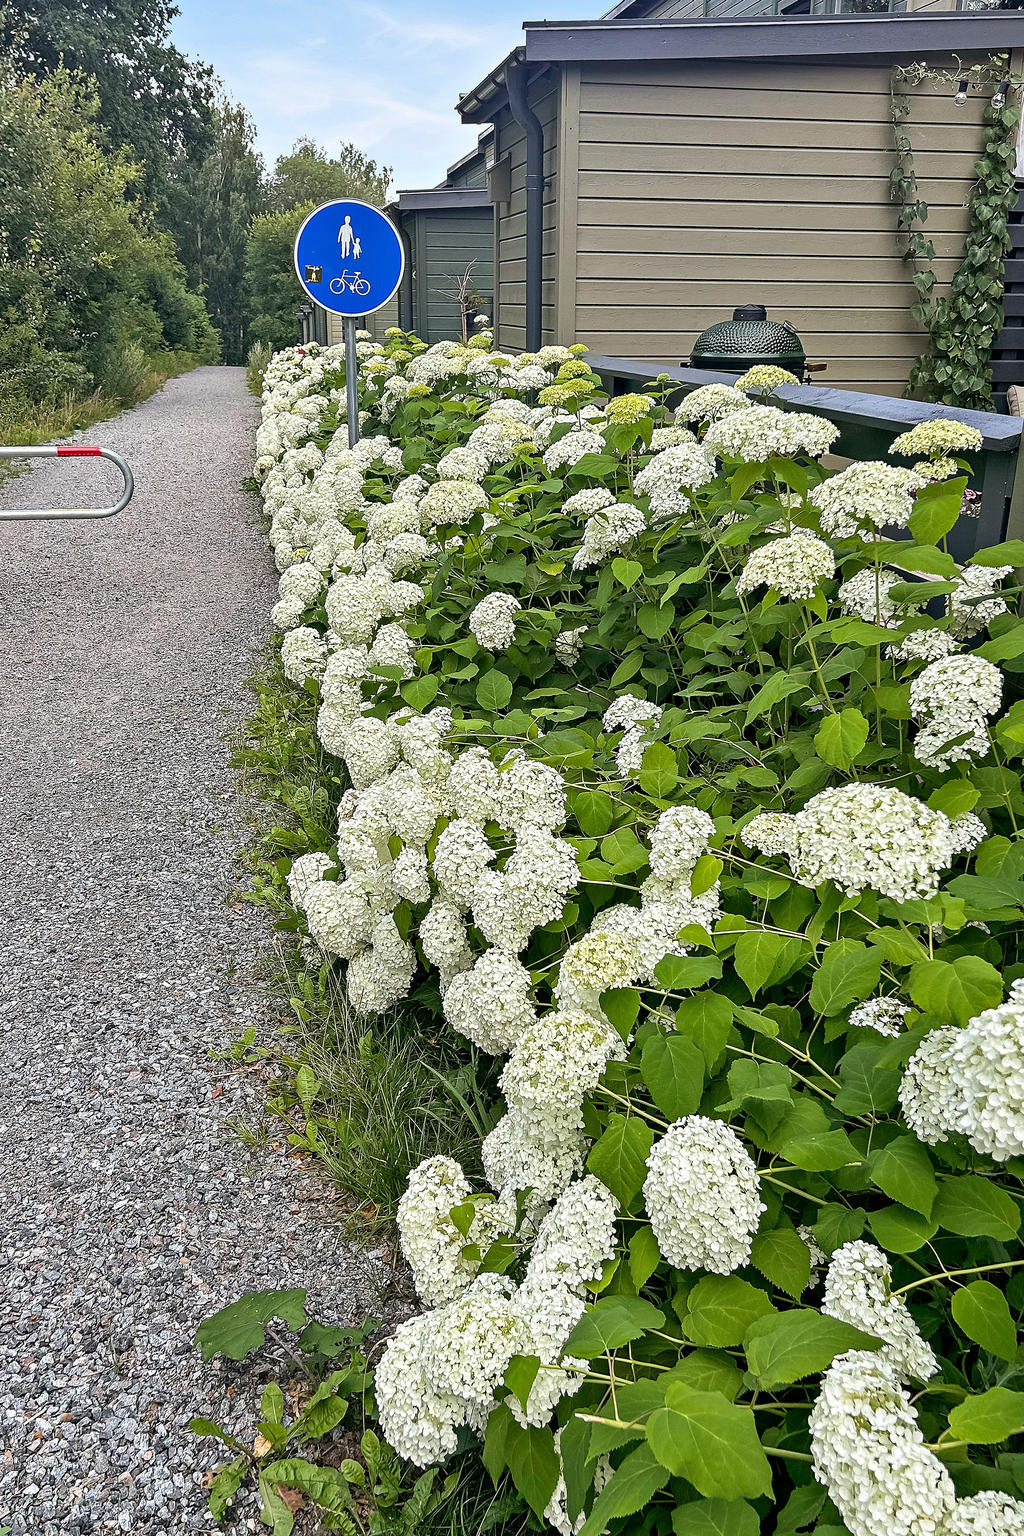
x: 261, y: 1446
x: 292, y: 1497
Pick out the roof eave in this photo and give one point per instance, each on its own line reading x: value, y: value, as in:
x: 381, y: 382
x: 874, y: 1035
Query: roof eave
x: 480, y: 104
x: 557, y: 42
x: 441, y: 199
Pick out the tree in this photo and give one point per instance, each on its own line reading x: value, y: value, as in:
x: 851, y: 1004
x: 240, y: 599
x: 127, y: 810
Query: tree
x: 152, y: 99
x: 212, y: 206
x: 272, y: 294
x: 308, y: 175
x: 85, y: 277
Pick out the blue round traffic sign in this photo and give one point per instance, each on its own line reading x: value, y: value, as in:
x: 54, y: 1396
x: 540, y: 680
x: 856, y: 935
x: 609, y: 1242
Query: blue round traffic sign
x: 349, y: 257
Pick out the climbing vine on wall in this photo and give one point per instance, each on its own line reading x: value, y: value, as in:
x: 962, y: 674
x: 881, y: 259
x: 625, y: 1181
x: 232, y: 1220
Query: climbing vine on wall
x: 962, y: 324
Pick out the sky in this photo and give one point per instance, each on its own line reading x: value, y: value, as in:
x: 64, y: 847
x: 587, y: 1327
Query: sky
x: 384, y: 74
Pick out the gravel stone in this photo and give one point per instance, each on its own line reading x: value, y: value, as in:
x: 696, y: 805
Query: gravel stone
x: 131, y: 1210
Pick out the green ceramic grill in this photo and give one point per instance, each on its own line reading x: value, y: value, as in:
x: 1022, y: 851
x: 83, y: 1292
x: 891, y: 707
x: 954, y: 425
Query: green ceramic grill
x: 733, y: 346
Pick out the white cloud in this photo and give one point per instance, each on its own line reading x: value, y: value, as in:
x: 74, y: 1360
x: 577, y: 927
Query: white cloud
x: 420, y: 32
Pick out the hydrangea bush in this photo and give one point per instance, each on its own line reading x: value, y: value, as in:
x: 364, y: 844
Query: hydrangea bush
x: 684, y: 778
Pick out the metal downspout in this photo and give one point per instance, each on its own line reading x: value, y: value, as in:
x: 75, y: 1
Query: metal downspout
x: 530, y: 123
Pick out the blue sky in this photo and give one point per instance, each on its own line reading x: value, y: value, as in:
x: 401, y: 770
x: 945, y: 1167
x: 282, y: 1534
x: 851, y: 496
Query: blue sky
x: 383, y: 73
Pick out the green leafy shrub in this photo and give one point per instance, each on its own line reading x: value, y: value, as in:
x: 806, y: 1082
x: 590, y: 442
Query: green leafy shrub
x: 689, y: 775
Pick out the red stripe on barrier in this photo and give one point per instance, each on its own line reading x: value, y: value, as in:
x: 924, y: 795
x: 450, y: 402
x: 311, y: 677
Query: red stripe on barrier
x: 77, y: 453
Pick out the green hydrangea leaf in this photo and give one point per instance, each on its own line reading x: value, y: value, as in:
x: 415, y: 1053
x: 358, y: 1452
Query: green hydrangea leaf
x: 711, y: 1442
x: 981, y: 1311
x: 793, y: 1345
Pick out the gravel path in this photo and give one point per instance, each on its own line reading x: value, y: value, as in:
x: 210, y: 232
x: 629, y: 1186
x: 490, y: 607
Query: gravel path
x: 130, y: 1210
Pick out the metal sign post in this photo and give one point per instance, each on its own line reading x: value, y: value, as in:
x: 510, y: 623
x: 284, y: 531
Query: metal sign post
x: 53, y: 451
x: 351, y: 381
x: 349, y: 259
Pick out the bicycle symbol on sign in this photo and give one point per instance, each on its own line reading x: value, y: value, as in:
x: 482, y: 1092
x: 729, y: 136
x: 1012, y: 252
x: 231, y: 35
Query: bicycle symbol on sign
x: 352, y: 281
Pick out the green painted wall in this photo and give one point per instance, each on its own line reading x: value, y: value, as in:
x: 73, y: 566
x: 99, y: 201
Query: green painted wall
x: 444, y: 243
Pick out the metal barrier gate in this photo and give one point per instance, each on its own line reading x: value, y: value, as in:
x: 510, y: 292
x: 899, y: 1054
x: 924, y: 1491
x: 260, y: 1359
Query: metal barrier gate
x: 50, y: 451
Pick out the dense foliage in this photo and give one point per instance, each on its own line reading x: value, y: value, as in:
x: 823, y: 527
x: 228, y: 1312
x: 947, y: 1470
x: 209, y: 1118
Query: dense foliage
x: 191, y: 166
x: 90, y: 289
x: 310, y: 175
x: 963, y: 324
x: 685, y: 777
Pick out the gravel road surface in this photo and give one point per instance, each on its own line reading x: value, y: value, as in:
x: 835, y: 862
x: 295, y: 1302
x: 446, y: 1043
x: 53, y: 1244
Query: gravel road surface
x: 129, y: 1210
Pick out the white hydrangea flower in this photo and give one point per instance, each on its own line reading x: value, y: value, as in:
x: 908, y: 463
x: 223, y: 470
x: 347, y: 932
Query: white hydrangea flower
x: 670, y: 437
x: 461, y: 855
x: 762, y: 432
x: 924, y: 645
x: 703, y: 1196
x: 575, y: 1240
x: 672, y: 472
x: 472, y: 1341
x: 414, y: 805
x: 416, y: 1420
x: 710, y: 402
x: 569, y: 645
x: 858, y: 1291
x: 636, y: 719
x: 967, y: 832
x: 938, y: 438
x: 967, y: 615
x: 410, y: 875
x: 971, y: 1080
x: 532, y: 889
x: 678, y: 839
x: 303, y: 654
x: 986, y: 1514
x: 869, y: 496
x: 950, y: 698
x: 556, y: 1512
x: 527, y: 378
x: 583, y: 503
x: 474, y: 786
x: 431, y: 1242
x: 818, y: 1259
x: 393, y: 648
x: 339, y: 916
x: 492, y: 621
x: 442, y: 934
x: 930, y: 1095
x: 370, y: 751
x: 523, y: 1153
x: 306, y: 871
x: 530, y: 794
x: 452, y: 502
x: 866, y: 596
x: 405, y: 552
x: 490, y: 1004
x: 568, y: 450
x: 595, y: 962
x: 887, y: 1015
x: 420, y: 740
x: 795, y: 566
x: 464, y: 463
x: 869, y: 1453
x: 381, y: 975
x: 862, y: 837
x: 557, y: 1060
x: 607, y: 531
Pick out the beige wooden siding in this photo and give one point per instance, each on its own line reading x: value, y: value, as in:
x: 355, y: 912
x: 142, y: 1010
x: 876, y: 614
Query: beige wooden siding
x: 376, y: 324
x: 701, y: 187
x: 510, y: 220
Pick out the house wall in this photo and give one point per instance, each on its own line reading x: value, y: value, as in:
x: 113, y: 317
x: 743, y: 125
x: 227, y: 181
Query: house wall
x: 510, y: 218
x: 376, y: 323
x: 691, y: 188
x: 444, y: 244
